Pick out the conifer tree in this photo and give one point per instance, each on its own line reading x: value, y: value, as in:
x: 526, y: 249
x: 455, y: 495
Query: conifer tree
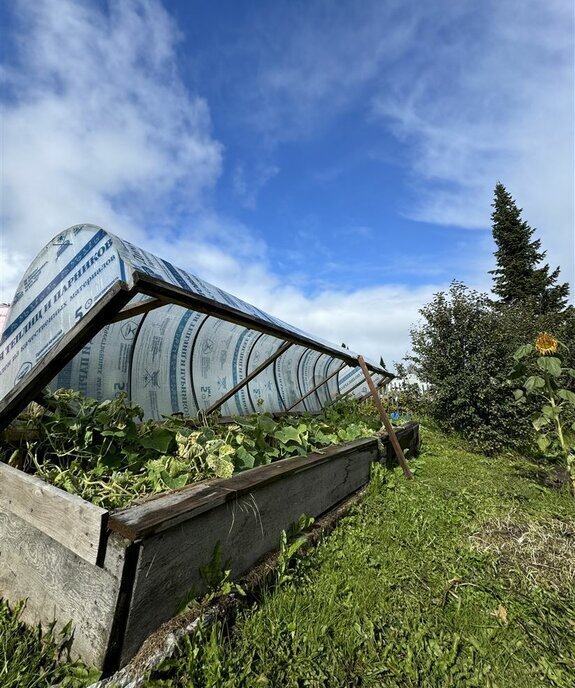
x: 517, y: 278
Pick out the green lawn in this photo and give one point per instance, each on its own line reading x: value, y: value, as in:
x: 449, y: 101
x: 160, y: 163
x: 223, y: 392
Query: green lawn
x: 462, y: 577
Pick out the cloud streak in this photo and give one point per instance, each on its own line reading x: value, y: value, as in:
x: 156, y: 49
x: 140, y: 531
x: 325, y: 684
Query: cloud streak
x: 474, y: 93
x: 98, y: 127
x: 494, y: 104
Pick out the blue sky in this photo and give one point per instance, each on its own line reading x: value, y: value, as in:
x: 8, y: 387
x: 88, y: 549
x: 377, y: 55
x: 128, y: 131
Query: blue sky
x: 331, y: 162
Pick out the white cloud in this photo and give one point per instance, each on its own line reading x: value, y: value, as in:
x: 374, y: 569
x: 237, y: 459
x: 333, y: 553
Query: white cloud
x: 374, y: 321
x: 99, y: 127
x: 311, y: 61
x: 496, y: 104
x: 247, y: 184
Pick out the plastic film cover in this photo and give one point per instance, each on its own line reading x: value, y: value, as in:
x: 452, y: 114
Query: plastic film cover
x: 169, y: 360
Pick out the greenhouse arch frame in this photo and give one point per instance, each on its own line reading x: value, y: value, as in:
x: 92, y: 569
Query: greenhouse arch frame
x: 93, y: 310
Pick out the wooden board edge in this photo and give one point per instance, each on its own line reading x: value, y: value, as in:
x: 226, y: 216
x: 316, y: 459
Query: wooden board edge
x: 91, y: 547
x: 140, y: 521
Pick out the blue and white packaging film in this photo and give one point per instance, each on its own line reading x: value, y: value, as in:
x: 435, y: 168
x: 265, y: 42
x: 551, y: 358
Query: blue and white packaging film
x: 69, y: 276
x: 169, y: 360
x: 263, y: 393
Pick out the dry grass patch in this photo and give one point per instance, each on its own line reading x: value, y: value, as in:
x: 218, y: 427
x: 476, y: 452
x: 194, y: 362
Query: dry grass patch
x: 537, y: 553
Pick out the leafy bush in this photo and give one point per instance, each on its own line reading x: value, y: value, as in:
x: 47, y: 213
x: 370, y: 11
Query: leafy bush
x: 464, y: 349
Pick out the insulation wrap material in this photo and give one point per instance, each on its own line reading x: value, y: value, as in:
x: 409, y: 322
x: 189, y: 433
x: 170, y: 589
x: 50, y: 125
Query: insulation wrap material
x: 172, y: 359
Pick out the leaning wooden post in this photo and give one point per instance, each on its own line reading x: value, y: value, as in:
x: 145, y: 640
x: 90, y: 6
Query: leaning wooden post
x: 383, y: 415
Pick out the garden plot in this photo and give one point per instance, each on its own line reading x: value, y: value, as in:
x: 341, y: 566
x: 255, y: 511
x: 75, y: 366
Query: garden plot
x: 117, y: 574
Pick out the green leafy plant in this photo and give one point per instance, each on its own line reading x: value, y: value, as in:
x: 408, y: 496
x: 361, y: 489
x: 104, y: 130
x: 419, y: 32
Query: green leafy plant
x: 107, y: 454
x: 290, y: 543
x: 545, y: 378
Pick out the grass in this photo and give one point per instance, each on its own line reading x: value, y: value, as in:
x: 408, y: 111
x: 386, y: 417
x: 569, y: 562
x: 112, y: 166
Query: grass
x: 30, y: 658
x: 461, y: 577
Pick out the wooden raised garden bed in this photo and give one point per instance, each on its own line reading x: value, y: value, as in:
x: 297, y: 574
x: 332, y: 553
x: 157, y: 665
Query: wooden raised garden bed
x: 119, y: 575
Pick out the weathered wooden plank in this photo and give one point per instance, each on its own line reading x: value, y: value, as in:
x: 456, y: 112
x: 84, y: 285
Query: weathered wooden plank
x: 58, y: 585
x: 246, y: 528
x: 162, y: 512
x: 66, y: 518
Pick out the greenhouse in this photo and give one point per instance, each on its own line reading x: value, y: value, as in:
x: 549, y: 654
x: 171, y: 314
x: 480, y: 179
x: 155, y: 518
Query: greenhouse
x: 96, y: 314
x: 225, y: 432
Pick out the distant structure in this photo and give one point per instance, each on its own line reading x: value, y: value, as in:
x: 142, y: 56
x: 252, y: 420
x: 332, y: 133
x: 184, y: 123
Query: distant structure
x: 400, y: 384
x: 4, y: 310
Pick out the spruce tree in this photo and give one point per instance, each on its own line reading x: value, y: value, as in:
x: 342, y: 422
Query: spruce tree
x: 517, y: 278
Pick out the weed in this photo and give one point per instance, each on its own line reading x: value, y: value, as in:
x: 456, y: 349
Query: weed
x: 31, y: 657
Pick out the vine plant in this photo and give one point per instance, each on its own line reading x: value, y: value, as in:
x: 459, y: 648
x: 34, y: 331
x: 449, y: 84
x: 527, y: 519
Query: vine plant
x: 106, y: 453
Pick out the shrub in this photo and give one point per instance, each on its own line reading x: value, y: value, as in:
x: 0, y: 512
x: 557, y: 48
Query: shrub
x: 544, y: 378
x: 464, y: 348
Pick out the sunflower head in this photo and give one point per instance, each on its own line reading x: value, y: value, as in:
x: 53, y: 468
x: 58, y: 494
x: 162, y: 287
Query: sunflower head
x: 546, y: 344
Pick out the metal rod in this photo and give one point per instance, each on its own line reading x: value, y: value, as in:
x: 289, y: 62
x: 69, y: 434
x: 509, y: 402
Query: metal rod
x: 313, y: 389
x: 248, y: 378
x: 349, y: 391
x: 383, y: 415
x: 131, y: 310
x: 202, y: 304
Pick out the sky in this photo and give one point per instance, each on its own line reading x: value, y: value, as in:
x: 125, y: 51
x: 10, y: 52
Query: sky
x: 330, y: 162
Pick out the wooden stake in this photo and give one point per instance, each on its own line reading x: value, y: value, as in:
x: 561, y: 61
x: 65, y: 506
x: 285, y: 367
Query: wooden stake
x: 132, y: 310
x: 383, y: 415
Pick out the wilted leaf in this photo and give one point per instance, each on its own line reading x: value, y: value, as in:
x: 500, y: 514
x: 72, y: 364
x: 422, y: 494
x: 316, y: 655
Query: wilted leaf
x: 501, y: 614
x: 550, y: 365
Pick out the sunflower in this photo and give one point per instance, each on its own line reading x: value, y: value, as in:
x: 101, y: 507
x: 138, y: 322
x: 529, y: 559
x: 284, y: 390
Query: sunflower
x: 546, y: 344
